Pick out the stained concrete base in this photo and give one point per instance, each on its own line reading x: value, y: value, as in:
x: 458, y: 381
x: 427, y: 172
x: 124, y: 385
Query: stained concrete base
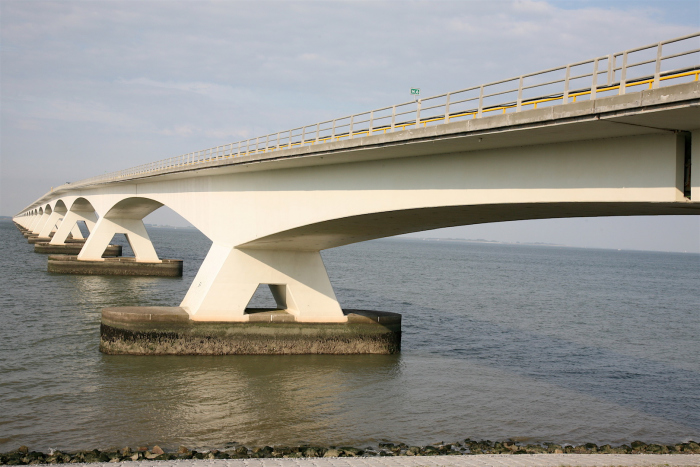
x: 169, y: 331
x: 73, y: 248
x: 120, y: 266
x: 34, y: 240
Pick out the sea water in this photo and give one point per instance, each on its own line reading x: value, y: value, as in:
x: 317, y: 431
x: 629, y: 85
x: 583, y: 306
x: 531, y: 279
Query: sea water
x: 532, y: 343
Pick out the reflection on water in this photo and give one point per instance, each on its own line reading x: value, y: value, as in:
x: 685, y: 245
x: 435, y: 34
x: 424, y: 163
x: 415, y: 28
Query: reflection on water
x: 262, y: 398
x: 532, y: 343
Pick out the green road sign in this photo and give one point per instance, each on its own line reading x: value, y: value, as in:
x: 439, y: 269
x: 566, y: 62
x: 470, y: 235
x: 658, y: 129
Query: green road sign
x: 415, y: 91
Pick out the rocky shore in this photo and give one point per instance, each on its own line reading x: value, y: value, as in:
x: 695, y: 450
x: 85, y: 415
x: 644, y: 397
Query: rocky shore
x: 24, y: 456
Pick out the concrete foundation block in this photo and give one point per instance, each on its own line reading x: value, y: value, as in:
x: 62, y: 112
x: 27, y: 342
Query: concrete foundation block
x: 73, y: 248
x: 169, y: 331
x: 120, y: 266
x: 36, y: 239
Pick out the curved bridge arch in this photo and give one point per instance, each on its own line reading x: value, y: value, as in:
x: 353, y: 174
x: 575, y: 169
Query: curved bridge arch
x: 124, y: 216
x: 78, y: 209
x: 337, y: 232
x: 106, y: 214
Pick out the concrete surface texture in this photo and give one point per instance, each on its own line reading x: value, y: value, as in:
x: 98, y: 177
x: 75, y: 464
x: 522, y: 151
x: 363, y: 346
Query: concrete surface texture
x: 113, y: 266
x: 170, y: 331
x: 484, y: 460
x: 72, y: 248
x: 269, y: 215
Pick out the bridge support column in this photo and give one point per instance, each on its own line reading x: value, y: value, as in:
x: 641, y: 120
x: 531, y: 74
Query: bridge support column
x: 38, y: 223
x: 104, y: 231
x: 229, y: 277
x: 42, y: 222
x: 92, y: 257
x: 50, y: 224
x: 60, y: 244
x: 69, y: 225
x: 213, y: 320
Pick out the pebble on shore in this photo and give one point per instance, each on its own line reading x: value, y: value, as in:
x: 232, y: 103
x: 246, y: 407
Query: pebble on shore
x: 23, y: 456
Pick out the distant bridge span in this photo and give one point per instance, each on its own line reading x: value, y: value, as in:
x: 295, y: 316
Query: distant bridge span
x: 270, y: 206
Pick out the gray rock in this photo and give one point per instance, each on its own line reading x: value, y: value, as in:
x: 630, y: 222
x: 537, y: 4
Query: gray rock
x: 157, y: 450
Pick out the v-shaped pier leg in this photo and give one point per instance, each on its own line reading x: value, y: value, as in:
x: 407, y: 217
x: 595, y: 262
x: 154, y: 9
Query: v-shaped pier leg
x: 228, y: 278
x: 49, y: 224
x: 69, y: 225
x: 104, y: 231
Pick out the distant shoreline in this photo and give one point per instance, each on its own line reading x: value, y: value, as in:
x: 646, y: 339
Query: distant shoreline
x: 454, y: 240
x: 495, y: 242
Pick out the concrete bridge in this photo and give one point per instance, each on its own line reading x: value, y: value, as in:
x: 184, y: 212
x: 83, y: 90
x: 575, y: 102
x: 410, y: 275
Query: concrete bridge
x: 596, y: 138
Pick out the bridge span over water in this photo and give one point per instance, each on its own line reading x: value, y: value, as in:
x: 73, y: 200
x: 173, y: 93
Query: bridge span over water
x: 617, y: 135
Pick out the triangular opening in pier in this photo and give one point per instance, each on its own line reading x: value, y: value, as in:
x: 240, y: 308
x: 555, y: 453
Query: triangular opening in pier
x: 264, y: 298
x: 120, y: 239
x: 83, y: 228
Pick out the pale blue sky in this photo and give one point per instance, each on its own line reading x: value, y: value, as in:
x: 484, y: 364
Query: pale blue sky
x: 89, y: 87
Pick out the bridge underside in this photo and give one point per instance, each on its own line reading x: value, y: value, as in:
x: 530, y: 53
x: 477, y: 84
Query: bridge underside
x: 339, y: 232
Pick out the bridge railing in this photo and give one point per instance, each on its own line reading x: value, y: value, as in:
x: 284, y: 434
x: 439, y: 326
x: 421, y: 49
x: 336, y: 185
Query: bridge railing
x: 632, y: 70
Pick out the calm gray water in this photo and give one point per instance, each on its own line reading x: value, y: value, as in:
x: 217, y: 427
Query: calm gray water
x: 500, y: 341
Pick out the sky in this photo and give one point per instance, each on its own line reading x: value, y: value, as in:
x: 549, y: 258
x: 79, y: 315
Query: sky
x: 90, y: 87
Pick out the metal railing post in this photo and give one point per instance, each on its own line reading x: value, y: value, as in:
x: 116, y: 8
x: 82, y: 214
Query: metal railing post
x: 352, y: 118
x: 623, y: 74
x: 657, y: 73
x: 481, y: 100
x: 318, y: 128
x: 610, y: 69
x: 393, y: 118
x: 303, y: 135
x: 520, y: 95
x: 447, y: 108
x: 594, y: 84
x: 278, y: 141
x: 333, y: 131
x: 418, y: 103
x: 290, y: 139
x: 267, y: 142
x: 371, y: 122
x: 565, y: 98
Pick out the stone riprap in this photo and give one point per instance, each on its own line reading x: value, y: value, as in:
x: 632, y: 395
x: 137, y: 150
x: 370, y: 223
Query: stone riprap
x: 170, y: 331
x: 502, y: 451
